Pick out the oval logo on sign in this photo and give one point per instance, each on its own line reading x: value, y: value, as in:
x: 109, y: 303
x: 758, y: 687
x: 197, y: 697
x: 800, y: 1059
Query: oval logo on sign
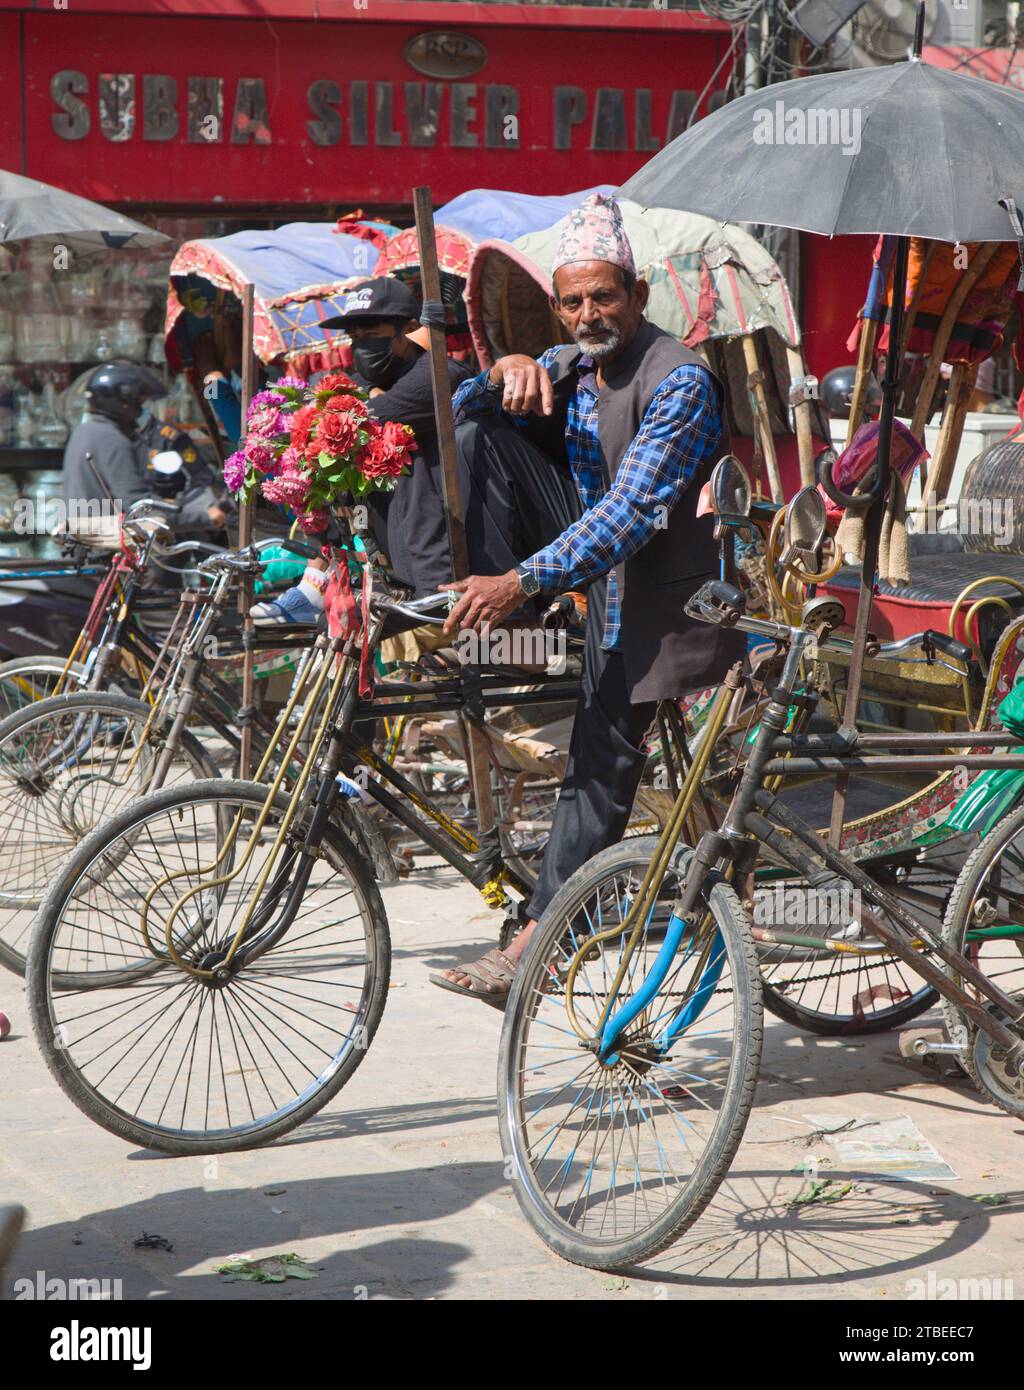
x: 443, y: 53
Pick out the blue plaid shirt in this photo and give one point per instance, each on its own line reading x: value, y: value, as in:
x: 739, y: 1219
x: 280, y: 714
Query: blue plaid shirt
x: 677, y: 434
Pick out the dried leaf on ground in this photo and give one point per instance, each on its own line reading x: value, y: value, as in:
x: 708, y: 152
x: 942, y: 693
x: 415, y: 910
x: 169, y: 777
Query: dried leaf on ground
x: 271, y: 1269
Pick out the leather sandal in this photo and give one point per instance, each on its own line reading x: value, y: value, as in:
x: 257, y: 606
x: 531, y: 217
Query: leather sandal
x: 492, y: 969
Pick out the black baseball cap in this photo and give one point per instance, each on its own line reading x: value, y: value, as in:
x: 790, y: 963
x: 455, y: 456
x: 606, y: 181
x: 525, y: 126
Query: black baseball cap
x: 380, y: 298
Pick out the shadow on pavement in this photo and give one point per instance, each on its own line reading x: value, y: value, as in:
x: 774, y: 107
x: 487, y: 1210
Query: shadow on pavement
x: 752, y: 1236
x: 206, y: 1225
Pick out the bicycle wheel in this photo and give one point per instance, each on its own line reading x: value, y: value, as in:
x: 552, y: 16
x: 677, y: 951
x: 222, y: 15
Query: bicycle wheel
x: 985, y: 923
x: 66, y: 764
x: 191, y: 1064
x: 854, y: 986
x: 614, y: 1159
x: 26, y: 679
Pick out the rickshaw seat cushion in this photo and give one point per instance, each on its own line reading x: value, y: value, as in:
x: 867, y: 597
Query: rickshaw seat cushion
x: 926, y: 602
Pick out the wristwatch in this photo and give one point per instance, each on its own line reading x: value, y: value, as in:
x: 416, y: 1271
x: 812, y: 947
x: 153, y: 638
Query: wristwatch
x: 528, y: 581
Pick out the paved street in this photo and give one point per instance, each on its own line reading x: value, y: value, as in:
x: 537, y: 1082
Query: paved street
x: 397, y: 1189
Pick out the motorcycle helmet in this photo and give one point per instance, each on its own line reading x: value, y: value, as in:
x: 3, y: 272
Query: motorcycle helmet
x: 118, y: 391
x: 837, y: 393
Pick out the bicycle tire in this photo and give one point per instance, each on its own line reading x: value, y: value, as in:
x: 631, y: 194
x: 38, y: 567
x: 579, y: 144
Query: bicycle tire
x: 869, y: 974
x: 19, y: 725
x: 959, y: 915
x: 737, y: 1091
x: 43, y: 1000
x: 41, y: 673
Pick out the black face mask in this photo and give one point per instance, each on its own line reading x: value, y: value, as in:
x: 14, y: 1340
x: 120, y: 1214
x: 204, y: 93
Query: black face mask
x: 375, y: 362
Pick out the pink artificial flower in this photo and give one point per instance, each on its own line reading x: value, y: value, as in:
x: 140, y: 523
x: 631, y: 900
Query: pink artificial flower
x: 267, y: 422
x: 290, y: 462
x: 234, y: 471
x: 259, y: 456
x: 291, y: 490
x: 294, y: 383
x: 266, y: 398
x: 314, y: 521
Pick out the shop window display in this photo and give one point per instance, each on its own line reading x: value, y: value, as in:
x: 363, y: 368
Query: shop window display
x: 60, y: 317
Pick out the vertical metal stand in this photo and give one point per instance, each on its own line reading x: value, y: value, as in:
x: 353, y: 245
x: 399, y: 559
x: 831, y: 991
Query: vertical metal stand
x: 245, y: 592
x: 480, y: 766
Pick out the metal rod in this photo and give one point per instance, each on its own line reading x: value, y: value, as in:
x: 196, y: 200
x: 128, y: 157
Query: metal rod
x: 922, y: 762
x: 811, y: 743
x: 898, y: 938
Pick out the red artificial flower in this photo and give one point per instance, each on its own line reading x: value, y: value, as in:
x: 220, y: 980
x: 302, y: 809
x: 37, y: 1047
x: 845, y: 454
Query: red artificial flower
x: 352, y: 403
x: 336, y: 432
x: 388, y: 452
x: 302, y: 422
x: 335, y: 381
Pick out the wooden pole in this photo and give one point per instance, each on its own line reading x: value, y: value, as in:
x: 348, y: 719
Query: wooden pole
x: 430, y: 278
x: 961, y: 388
x: 245, y: 534
x: 865, y: 364
x: 755, y: 385
x: 802, y: 419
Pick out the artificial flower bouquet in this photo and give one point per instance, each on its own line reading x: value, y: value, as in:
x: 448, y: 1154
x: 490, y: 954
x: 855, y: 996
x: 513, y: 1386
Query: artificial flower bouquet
x: 309, y: 447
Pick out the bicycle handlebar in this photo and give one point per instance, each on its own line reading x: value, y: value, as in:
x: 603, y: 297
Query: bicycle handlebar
x: 416, y: 608
x: 151, y: 504
x: 723, y: 604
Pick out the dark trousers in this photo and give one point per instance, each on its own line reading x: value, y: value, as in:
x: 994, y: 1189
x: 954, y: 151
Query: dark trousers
x: 605, y: 763
x: 516, y: 500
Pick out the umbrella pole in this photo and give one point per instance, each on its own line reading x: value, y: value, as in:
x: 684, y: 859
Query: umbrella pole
x: 479, y: 762
x: 244, y: 539
x: 873, y: 524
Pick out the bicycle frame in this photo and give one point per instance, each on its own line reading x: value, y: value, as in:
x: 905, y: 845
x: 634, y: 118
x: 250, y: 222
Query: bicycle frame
x: 478, y: 859
x: 756, y: 815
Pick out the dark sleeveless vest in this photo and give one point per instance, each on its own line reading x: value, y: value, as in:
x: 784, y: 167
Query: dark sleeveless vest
x: 665, y: 653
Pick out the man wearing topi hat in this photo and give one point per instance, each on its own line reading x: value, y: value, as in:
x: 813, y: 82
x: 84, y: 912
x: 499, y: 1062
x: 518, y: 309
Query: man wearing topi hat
x: 636, y: 418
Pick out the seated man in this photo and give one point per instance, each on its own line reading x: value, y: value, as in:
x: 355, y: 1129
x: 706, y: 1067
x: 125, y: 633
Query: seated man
x: 637, y: 419
x: 381, y: 317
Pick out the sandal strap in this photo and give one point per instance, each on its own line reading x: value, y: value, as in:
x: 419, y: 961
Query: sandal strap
x: 493, y: 968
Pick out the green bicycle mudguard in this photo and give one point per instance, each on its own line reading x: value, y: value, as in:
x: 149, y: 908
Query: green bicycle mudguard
x: 1011, y: 711
x: 987, y: 800
x: 994, y: 793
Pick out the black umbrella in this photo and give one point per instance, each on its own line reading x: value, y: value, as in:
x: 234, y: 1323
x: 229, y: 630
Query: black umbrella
x: 30, y: 209
x: 908, y: 150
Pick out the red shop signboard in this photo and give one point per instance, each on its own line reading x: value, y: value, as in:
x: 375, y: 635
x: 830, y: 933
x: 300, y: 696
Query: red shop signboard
x: 183, y: 109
